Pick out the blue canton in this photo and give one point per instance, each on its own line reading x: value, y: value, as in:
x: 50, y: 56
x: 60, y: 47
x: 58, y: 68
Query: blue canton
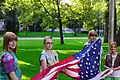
x: 89, y: 60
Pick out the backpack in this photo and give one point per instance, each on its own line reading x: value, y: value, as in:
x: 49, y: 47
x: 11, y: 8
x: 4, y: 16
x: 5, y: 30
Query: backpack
x: 3, y: 75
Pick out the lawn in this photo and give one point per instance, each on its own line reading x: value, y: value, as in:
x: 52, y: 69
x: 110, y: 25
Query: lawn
x: 29, y: 51
x: 54, y: 34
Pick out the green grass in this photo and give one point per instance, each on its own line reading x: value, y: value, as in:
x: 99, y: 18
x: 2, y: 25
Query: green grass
x: 54, y: 34
x: 29, y: 51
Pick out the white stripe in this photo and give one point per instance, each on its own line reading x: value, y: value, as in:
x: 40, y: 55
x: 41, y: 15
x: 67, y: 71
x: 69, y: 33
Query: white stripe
x: 55, y: 68
x: 50, y: 76
x: 71, y: 73
x: 74, y: 66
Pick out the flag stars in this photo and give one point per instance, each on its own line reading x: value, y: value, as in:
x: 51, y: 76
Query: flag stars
x: 82, y: 76
x: 83, y: 55
x: 78, y: 57
x: 90, y: 61
x: 95, y: 62
x: 93, y: 66
x: 93, y: 52
x: 87, y: 67
x: 98, y: 64
x: 86, y: 72
x: 81, y: 72
x: 96, y: 57
x: 80, y: 65
x: 94, y: 48
x: 87, y: 59
x: 95, y: 44
x: 86, y: 63
x: 91, y: 71
x: 86, y: 75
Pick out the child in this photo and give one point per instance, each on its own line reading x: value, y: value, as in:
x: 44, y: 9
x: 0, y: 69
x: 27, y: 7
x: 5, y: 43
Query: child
x: 112, y: 61
x: 48, y: 57
x: 9, y: 59
x: 92, y: 37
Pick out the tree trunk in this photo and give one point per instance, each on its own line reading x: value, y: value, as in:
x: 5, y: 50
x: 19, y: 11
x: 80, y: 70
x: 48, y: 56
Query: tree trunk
x: 115, y: 23
x: 118, y: 37
x: 106, y: 25
x: 60, y: 23
x: 111, y: 20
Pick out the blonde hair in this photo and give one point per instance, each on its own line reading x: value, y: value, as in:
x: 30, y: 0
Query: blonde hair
x: 91, y: 32
x: 47, y: 37
x: 9, y: 36
x: 113, y: 43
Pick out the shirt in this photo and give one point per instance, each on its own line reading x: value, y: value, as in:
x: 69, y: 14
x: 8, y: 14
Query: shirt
x: 10, y: 64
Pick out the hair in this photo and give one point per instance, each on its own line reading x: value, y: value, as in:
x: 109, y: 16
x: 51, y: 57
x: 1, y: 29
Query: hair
x: 113, y: 43
x: 47, y: 37
x: 9, y: 36
x: 91, y: 32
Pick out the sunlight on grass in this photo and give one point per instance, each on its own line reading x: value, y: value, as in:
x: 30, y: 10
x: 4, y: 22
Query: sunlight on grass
x: 24, y: 63
x: 67, y: 51
x: 25, y: 78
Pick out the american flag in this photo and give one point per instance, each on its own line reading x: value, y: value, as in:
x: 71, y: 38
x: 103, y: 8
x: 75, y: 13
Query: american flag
x: 82, y: 65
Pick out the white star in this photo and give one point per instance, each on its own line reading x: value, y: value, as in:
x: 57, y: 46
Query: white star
x: 87, y: 59
x: 98, y: 64
x: 93, y: 66
x: 95, y: 62
x: 91, y: 71
x: 88, y: 50
x: 93, y: 52
x: 89, y: 63
x: 78, y: 57
x: 86, y: 63
x: 86, y: 75
x: 96, y: 57
x: 80, y: 65
x: 86, y: 72
x: 95, y: 44
x: 87, y: 67
x: 81, y: 72
x: 83, y: 55
x: 82, y: 76
x: 94, y: 48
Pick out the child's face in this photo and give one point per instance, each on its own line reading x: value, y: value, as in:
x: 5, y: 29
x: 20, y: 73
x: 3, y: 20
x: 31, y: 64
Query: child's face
x: 12, y: 44
x: 93, y: 37
x: 48, y: 44
x: 113, y: 48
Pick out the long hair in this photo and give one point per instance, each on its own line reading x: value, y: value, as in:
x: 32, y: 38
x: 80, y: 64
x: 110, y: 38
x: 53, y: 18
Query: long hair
x: 9, y: 36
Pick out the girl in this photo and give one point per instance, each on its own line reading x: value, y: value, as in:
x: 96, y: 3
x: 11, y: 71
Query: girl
x: 112, y: 61
x: 9, y: 59
x: 48, y: 57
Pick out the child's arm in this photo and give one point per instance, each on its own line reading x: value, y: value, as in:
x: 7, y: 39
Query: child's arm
x: 117, y: 68
x: 43, y: 64
x: 13, y: 76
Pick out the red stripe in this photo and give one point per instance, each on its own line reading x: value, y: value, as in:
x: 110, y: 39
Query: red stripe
x: 41, y: 75
x: 106, y: 72
x: 74, y: 70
